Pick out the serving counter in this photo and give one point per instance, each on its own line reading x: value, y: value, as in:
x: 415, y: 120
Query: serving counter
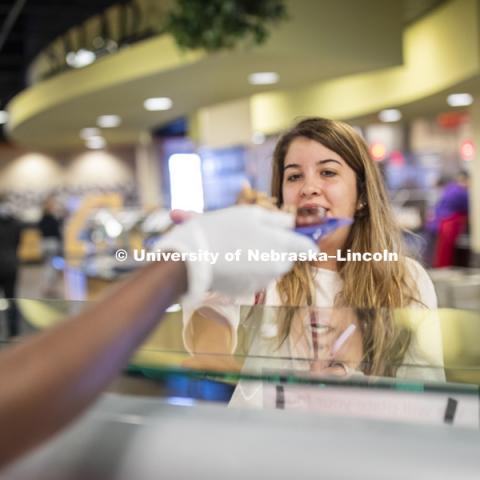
x: 174, y: 411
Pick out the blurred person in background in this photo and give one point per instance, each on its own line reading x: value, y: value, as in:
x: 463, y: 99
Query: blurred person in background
x: 449, y: 219
x: 9, y: 241
x: 50, y: 227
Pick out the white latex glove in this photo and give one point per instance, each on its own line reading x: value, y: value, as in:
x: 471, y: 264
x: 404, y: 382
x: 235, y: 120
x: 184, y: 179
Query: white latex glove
x: 228, y: 230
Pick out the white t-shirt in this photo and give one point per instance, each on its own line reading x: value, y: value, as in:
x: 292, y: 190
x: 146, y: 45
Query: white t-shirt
x: 423, y: 360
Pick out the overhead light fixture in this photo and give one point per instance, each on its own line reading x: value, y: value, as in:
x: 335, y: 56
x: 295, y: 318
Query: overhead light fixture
x: 3, y: 117
x: 390, y: 115
x: 81, y: 58
x: 105, y: 45
x: 95, y: 142
x: 263, y: 78
x: 89, y: 132
x: 158, y: 103
x: 459, y: 99
x: 109, y: 121
x: 98, y: 42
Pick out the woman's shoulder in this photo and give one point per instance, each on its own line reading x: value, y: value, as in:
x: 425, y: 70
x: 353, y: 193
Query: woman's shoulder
x: 423, y: 282
x: 416, y: 268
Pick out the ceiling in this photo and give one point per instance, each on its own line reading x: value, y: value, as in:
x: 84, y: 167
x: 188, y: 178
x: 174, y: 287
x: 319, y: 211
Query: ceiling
x: 428, y: 107
x: 35, y: 23
x: 415, y: 9
x: 28, y: 26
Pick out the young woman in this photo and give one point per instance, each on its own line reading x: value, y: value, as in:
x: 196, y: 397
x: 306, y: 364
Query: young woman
x: 325, y: 163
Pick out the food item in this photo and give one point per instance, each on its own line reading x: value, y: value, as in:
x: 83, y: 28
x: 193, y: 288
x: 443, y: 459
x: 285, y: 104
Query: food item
x: 310, y: 221
x: 304, y: 215
x: 309, y: 216
x: 249, y: 196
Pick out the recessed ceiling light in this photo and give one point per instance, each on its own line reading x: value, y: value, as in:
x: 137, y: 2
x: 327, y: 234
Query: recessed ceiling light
x: 3, y: 117
x: 459, y: 99
x: 98, y: 42
x: 89, y: 132
x: 390, y: 115
x: 95, y: 142
x: 157, y: 103
x: 263, y: 78
x: 81, y: 58
x: 109, y: 121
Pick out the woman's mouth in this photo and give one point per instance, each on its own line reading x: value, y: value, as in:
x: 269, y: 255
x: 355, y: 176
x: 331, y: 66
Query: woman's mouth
x: 310, y: 214
x: 312, y: 209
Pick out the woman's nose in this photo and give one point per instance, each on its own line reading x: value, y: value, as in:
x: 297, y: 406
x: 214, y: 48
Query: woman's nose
x: 310, y: 189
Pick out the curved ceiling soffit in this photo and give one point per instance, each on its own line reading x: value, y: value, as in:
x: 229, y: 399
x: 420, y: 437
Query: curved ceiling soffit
x: 52, y: 112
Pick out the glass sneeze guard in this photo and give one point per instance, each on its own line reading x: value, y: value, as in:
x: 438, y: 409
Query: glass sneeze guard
x: 426, y: 366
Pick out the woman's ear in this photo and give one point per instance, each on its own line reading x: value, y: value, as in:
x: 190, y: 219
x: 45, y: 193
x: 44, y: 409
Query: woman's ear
x: 361, y: 209
x: 361, y: 202
x: 362, y: 197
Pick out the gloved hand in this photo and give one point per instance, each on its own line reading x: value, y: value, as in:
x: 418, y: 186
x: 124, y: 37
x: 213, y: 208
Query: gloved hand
x: 236, y: 228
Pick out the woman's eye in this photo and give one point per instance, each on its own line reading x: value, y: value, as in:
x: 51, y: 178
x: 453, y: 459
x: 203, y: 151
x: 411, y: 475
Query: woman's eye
x: 328, y: 173
x: 293, y: 177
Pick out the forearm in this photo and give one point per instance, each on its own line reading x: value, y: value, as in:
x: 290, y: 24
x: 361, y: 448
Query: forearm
x: 49, y: 379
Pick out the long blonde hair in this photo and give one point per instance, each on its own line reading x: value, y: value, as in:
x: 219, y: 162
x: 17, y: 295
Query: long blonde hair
x: 372, y: 288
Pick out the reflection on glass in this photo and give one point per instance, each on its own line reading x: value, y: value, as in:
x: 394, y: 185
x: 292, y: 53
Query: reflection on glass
x: 9, y: 317
x: 21, y: 317
x: 329, y: 360
x: 419, y: 344
x: 404, y: 343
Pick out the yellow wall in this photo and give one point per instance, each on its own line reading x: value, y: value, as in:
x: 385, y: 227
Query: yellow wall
x: 125, y: 66
x: 440, y: 51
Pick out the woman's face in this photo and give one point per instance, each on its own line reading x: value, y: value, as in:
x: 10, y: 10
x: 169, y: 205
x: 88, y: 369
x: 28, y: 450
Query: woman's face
x: 330, y: 337
x: 317, y: 176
